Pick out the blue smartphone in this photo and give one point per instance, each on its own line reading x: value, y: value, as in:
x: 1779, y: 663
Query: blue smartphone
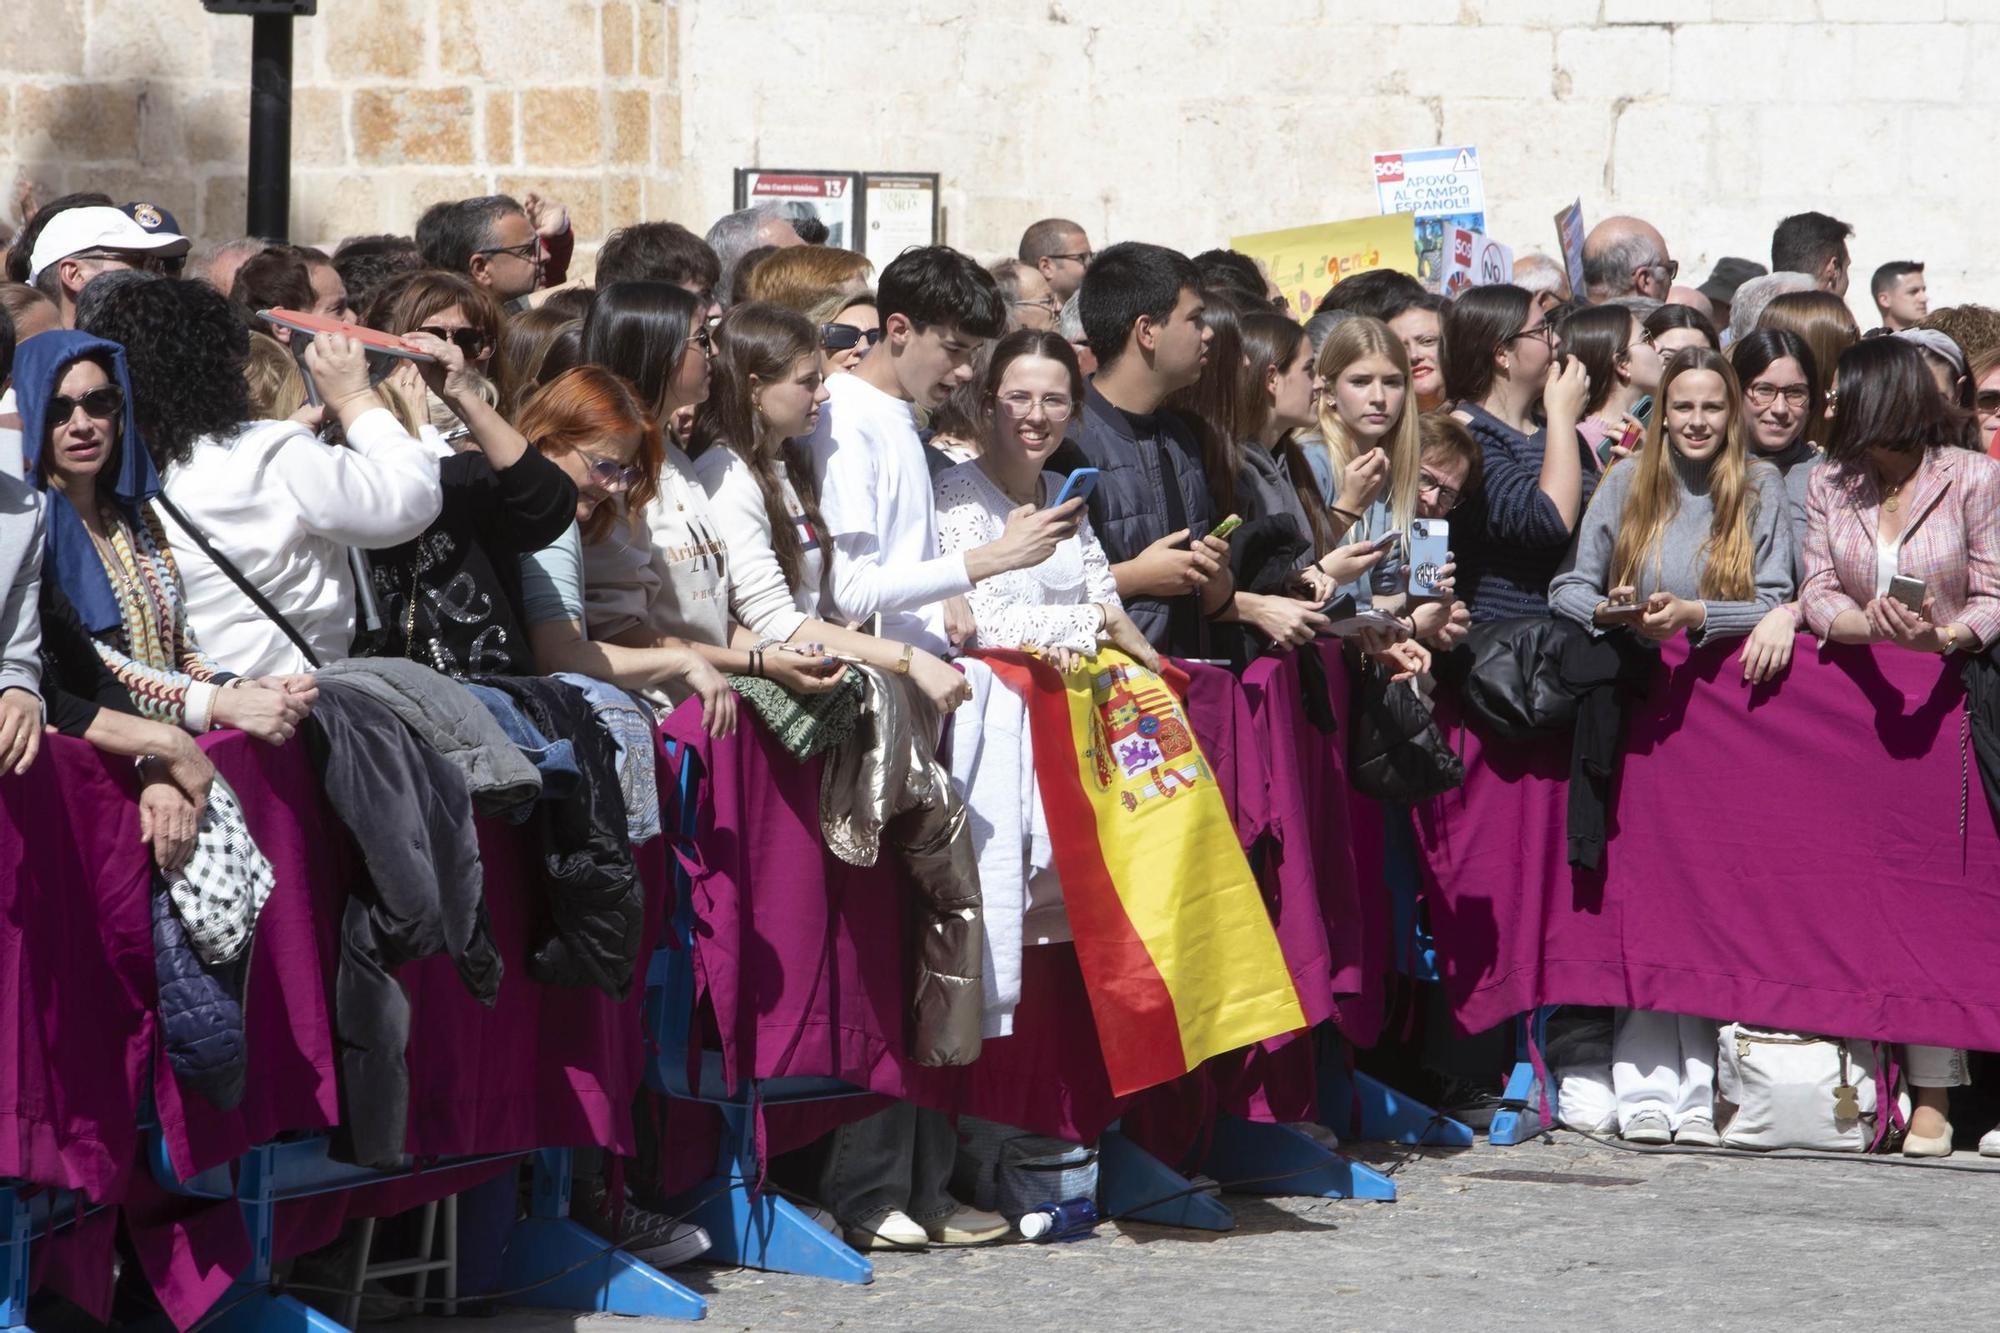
x: 1430, y: 551
x: 1078, y: 486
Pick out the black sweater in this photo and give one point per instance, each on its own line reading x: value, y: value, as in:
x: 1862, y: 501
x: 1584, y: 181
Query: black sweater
x: 465, y: 570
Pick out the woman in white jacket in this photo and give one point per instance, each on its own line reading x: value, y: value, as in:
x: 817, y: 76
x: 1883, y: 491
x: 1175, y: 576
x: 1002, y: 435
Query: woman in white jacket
x: 280, y: 504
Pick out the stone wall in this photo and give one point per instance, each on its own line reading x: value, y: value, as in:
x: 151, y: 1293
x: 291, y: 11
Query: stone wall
x: 1184, y: 121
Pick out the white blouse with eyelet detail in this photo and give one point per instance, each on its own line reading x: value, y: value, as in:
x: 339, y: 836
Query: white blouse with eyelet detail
x: 1053, y: 605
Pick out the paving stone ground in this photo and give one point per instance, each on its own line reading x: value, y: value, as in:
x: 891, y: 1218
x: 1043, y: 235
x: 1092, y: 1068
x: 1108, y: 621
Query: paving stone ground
x: 1564, y: 1234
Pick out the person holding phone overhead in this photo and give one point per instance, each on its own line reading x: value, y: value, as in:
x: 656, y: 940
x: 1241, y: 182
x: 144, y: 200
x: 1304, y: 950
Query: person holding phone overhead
x: 1499, y: 365
x: 1899, y: 499
x: 1692, y: 536
x: 1067, y: 604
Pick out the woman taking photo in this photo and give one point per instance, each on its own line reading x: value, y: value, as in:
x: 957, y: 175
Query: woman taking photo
x: 1691, y: 537
x: 1067, y: 605
x: 1499, y: 367
x: 1898, y: 512
x: 770, y: 379
x: 1781, y: 401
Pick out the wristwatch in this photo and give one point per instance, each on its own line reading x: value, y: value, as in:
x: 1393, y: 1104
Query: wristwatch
x: 1948, y: 641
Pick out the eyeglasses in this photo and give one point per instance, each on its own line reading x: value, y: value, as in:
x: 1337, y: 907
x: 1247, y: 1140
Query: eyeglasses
x: 846, y: 337
x: 103, y: 403
x: 1082, y: 257
x: 467, y: 340
x: 1543, y: 332
x: 1448, y: 496
x: 1762, y: 394
x: 611, y: 476
x: 136, y: 259
x: 1672, y: 268
x: 528, y: 252
x: 1055, y: 406
x: 1048, y: 303
x: 703, y: 339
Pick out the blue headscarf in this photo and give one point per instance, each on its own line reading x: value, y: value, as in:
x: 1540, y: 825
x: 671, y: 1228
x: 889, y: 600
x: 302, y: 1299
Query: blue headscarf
x: 68, y: 556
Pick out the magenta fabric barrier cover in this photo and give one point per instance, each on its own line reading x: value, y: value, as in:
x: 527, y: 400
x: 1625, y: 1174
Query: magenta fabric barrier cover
x: 1787, y: 856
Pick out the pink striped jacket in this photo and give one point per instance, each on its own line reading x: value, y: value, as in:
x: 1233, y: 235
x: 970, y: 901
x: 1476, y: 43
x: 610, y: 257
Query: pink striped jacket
x: 1951, y: 541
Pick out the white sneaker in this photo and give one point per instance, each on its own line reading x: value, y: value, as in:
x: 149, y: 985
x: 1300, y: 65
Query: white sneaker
x: 1648, y: 1127
x: 893, y: 1230
x: 1698, y: 1131
x: 968, y: 1226
x: 1989, y: 1143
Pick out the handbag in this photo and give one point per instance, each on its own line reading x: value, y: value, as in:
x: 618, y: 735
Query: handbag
x: 1011, y: 1172
x: 1395, y: 750
x: 219, y: 892
x: 1795, y: 1090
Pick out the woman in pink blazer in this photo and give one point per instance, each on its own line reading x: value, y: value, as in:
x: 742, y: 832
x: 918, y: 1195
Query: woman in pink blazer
x: 1898, y: 496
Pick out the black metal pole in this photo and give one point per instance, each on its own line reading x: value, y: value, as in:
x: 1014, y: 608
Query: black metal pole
x: 268, y: 207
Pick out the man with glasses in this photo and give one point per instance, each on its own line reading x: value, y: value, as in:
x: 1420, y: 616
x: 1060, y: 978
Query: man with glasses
x: 1031, y: 303
x: 80, y: 243
x: 491, y: 240
x: 1060, y: 252
x: 1627, y: 257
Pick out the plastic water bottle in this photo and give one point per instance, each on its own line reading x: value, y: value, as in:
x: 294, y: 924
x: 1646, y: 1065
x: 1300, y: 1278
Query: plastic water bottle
x: 1060, y: 1221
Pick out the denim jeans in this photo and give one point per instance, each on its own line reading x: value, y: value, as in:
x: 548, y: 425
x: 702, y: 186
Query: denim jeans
x: 554, y: 760
x: 899, y: 1158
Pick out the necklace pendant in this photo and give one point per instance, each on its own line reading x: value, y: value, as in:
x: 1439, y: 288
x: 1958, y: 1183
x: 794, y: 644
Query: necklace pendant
x: 1890, y: 504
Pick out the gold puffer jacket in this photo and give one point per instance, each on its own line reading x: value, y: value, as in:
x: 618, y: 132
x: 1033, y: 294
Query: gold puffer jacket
x: 885, y: 781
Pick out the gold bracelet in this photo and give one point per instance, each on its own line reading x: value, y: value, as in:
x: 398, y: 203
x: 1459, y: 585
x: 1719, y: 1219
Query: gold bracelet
x: 903, y: 662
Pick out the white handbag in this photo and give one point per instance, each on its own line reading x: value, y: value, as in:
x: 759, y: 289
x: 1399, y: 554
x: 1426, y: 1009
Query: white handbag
x: 1794, y: 1090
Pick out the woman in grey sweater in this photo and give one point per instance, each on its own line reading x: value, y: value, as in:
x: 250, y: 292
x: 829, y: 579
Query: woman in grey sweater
x: 1692, y: 536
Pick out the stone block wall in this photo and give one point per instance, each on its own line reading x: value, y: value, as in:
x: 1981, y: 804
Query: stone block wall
x: 1184, y: 121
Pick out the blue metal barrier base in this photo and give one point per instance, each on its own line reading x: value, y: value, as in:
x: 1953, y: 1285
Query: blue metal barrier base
x: 584, y: 1272
x: 1133, y: 1184
x: 766, y: 1232
x: 1511, y: 1126
x: 1386, y: 1115
x: 245, y: 1309
x: 1251, y: 1151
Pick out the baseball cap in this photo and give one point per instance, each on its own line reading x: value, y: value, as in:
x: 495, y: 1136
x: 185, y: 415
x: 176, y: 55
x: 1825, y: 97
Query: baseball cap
x: 153, y: 217
x: 1937, y: 342
x: 98, y: 227
x: 1729, y: 274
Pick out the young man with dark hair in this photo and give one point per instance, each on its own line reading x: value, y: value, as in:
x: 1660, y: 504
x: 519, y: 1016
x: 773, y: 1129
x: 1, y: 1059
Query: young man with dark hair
x: 1379, y: 293
x: 1815, y: 245
x: 1142, y: 309
x: 663, y: 252
x: 937, y: 307
x: 1900, y: 294
x: 366, y: 263
x: 509, y: 246
x: 1060, y: 250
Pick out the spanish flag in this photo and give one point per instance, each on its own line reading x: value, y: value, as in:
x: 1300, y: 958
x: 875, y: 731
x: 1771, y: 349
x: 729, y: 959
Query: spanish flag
x: 1177, y: 950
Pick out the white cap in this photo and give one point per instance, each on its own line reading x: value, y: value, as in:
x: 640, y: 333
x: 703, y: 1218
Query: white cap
x: 97, y: 227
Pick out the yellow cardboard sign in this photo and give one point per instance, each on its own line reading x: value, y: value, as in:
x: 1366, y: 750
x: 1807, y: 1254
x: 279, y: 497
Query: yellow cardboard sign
x: 1306, y: 261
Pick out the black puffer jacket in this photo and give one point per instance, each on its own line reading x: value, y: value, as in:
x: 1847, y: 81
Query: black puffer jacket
x: 596, y: 901
x: 201, y: 1010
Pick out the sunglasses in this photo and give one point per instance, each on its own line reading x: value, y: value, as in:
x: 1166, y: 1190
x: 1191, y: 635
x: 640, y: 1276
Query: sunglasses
x: 846, y: 337
x: 467, y: 340
x: 702, y: 338
x: 101, y: 403
x: 1988, y: 401
x: 611, y: 476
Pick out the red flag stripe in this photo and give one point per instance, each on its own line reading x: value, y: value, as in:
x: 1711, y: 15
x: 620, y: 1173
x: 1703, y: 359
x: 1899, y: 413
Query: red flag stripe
x: 1136, y: 1022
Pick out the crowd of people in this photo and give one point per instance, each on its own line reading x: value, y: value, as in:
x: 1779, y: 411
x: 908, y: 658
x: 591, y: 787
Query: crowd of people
x: 747, y: 473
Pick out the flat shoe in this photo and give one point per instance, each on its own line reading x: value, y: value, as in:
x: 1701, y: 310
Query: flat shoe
x: 1924, y: 1145
x: 893, y: 1230
x: 968, y: 1226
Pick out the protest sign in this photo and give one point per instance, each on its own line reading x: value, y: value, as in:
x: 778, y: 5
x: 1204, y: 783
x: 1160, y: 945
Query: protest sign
x: 1473, y: 259
x: 1443, y: 187
x: 1306, y: 261
x: 829, y: 196
x: 1569, y: 235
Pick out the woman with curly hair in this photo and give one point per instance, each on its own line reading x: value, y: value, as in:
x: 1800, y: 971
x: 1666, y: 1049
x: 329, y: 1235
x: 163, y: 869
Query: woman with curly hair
x: 281, y: 506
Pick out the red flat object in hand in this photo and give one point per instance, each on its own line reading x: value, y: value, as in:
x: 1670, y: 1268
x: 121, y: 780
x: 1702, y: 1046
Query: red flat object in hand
x: 374, y: 340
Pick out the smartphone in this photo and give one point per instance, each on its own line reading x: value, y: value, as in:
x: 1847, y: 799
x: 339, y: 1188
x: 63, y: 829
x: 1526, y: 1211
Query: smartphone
x: 1908, y: 591
x: 1228, y: 525
x: 1623, y: 612
x: 1643, y: 409
x: 1430, y: 551
x: 1077, y: 486
x: 1387, y: 540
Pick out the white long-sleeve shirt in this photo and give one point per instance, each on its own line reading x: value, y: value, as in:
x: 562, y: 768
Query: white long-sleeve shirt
x: 760, y: 598
x: 1053, y: 605
x: 284, y: 507
x: 875, y: 495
